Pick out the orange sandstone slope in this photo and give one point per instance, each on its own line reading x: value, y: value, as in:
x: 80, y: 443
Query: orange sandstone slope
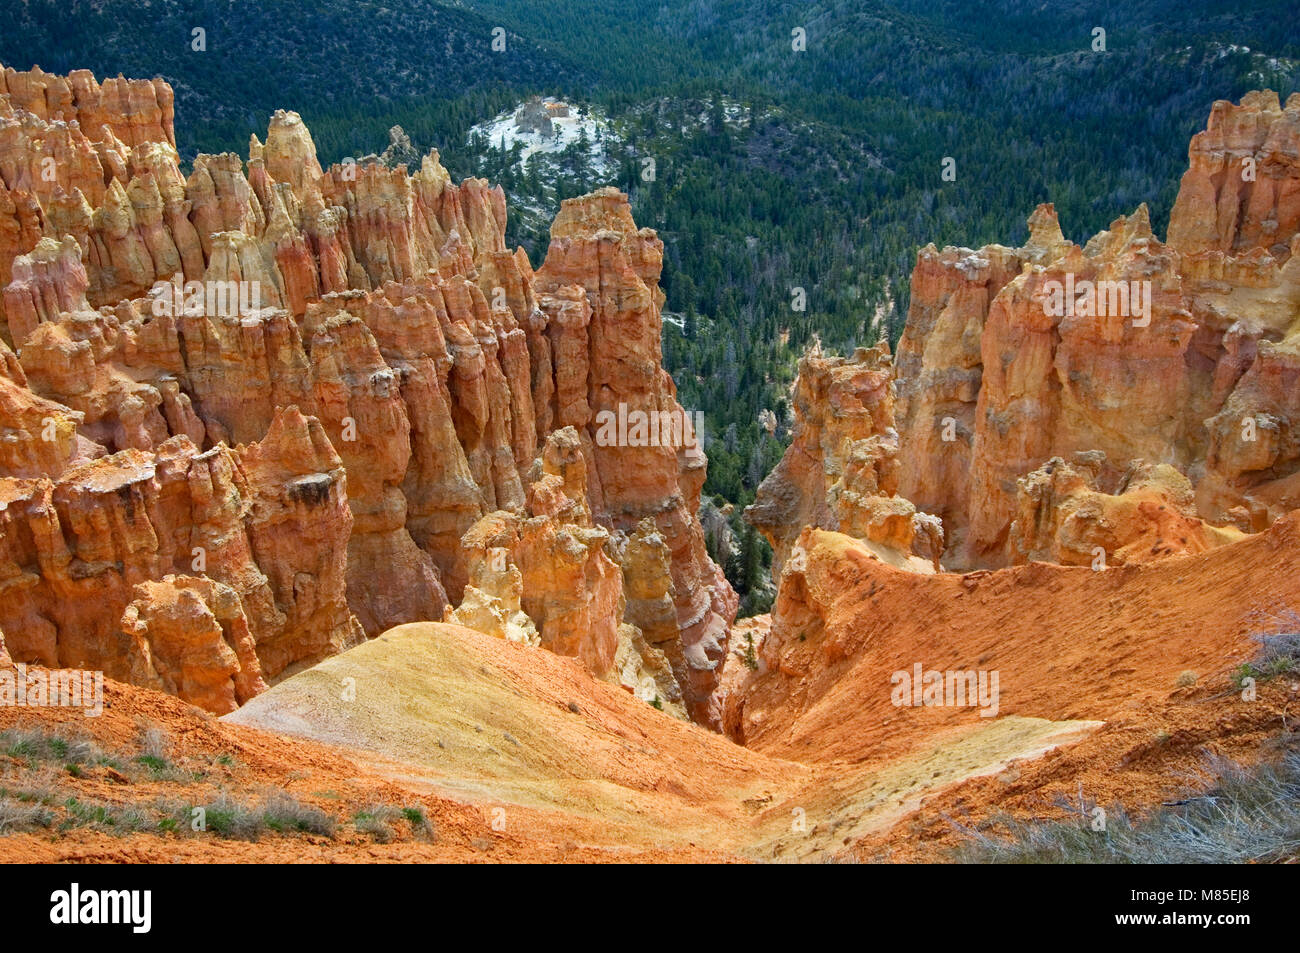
x: 1094, y: 702
x: 474, y: 729
x: 514, y: 754
x: 452, y: 710
x: 1067, y: 642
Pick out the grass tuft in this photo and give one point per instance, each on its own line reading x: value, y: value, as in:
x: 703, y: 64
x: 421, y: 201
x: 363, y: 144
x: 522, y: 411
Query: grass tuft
x: 17, y: 816
x: 374, y: 820
x: 1250, y: 815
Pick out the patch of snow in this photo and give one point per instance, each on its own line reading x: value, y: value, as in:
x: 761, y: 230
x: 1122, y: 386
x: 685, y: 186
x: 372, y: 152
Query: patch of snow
x: 733, y: 113
x: 567, y: 129
x: 971, y: 265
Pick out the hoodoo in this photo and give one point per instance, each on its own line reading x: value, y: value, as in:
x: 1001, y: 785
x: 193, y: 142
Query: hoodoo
x: 346, y: 370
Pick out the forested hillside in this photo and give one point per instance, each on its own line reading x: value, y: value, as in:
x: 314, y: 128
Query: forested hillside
x: 352, y: 69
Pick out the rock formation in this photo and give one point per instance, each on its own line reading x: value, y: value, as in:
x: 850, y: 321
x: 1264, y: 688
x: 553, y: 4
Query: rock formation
x: 75, y: 550
x: 360, y: 371
x: 841, y: 470
x: 1071, y: 514
x: 1165, y: 373
x: 298, y: 523
x: 568, y: 587
x: 550, y: 578
x: 193, y: 641
x: 1239, y: 191
x: 939, y: 372
x: 1180, y: 353
x: 37, y: 436
x: 599, y: 287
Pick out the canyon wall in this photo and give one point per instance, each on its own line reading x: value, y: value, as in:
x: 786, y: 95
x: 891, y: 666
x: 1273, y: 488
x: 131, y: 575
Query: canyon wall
x: 841, y: 470
x: 1108, y: 405
x: 88, y: 557
x: 355, y: 370
x: 1182, y: 353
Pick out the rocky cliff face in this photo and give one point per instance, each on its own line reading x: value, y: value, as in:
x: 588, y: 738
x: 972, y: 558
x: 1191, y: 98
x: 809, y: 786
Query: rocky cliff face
x: 1072, y: 514
x: 1107, y: 405
x: 940, y: 366
x: 841, y: 471
x: 1180, y: 352
x: 76, y: 550
x: 600, y: 264
x: 361, y: 371
x: 552, y: 577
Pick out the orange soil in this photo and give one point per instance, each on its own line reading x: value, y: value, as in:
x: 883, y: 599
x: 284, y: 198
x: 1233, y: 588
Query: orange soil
x: 320, y: 775
x: 1069, y: 644
x: 1153, y: 753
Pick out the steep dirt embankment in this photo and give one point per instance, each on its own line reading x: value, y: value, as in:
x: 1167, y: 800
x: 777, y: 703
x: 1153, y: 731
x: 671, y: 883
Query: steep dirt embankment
x: 1068, y: 642
x: 1114, y: 687
x: 445, y: 709
x: 513, y: 753
x: 206, y: 759
x: 1088, y: 665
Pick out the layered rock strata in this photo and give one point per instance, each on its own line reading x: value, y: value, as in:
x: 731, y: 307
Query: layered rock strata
x: 266, y: 523
x: 1070, y: 513
x: 549, y: 577
x: 152, y: 313
x: 841, y: 471
x: 1181, y: 352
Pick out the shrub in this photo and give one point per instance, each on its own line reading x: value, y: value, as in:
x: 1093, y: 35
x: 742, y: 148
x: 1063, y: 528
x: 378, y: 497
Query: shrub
x: 39, y: 745
x: 103, y: 816
x: 228, y: 818
x: 155, y: 747
x: 17, y: 816
x: 1250, y: 815
x: 1279, y: 654
x: 373, y: 820
x: 284, y: 814
x: 421, y: 826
